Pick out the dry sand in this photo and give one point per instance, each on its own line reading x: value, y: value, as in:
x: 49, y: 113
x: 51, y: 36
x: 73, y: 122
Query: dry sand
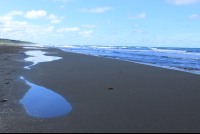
x: 143, y: 98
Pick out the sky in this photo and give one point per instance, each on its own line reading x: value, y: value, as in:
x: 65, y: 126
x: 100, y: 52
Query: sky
x: 149, y: 23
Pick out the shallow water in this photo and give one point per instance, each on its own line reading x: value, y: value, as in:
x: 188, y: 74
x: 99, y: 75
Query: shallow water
x: 38, y: 56
x: 44, y: 103
x: 39, y: 101
x: 34, y: 47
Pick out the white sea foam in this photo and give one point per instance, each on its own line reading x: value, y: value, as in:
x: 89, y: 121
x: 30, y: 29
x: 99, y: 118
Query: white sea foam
x: 69, y: 46
x: 104, y: 47
x: 192, y: 53
x: 167, y: 50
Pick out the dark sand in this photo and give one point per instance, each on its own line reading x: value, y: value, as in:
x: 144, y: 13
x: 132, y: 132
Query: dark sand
x: 143, y: 98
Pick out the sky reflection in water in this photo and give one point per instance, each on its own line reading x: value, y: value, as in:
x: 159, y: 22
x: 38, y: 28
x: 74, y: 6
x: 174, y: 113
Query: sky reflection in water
x: 39, y: 57
x: 39, y: 101
x: 44, y: 103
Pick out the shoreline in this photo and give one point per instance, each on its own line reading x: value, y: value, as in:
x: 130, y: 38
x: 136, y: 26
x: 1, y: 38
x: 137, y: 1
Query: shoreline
x: 143, y: 99
x: 159, y: 55
x: 148, y: 64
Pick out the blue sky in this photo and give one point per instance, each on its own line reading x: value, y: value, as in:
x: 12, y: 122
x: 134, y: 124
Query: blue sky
x: 152, y: 23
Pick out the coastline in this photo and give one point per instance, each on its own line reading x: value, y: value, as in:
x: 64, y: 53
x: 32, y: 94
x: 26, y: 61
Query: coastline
x: 183, y: 59
x: 144, y: 98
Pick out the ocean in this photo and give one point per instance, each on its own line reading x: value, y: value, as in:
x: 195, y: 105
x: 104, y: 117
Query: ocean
x: 182, y: 59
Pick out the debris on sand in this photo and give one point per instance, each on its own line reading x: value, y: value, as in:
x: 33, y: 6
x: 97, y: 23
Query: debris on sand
x: 7, y: 82
x: 4, y: 100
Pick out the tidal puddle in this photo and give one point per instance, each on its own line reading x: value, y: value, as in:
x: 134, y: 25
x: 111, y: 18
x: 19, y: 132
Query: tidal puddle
x: 38, y: 56
x: 35, y: 47
x: 44, y: 103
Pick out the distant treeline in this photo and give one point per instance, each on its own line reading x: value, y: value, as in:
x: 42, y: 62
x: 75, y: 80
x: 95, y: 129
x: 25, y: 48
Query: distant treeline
x: 14, y: 41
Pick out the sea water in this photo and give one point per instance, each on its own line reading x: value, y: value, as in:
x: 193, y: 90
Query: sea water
x: 183, y: 59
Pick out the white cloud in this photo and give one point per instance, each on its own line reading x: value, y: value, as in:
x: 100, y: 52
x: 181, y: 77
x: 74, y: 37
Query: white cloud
x: 23, y: 30
x: 68, y: 29
x: 194, y: 16
x: 35, y: 14
x: 96, y: 10
x: 89, y: 26
x: 9, y: 16
x: 136, y: 25
x: 12, y: 13
x: 182, y: 2
x: 5, y: 18
x: 54, y: 18
x: 139, y: 16
x: 32, y: 15
x: 86, y: 32
x: 108, y: 21
x: 50, y: 28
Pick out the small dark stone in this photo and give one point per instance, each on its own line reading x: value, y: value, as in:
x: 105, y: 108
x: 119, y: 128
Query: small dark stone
x: 7, y: 82
x: 4, y: 100
x: 110, y: 88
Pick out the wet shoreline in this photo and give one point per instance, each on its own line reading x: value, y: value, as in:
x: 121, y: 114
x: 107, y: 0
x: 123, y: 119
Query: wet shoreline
x: 106, y: 95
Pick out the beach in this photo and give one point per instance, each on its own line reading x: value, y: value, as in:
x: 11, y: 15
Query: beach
x: 106, y: 95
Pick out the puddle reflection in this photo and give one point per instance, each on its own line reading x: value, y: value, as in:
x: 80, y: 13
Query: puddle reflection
x: 39, y: 57
x: 35, y: 47
x: 44, y: 103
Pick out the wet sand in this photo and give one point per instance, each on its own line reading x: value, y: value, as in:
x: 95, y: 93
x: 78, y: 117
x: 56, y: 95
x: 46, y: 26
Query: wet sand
x: 143, y: 98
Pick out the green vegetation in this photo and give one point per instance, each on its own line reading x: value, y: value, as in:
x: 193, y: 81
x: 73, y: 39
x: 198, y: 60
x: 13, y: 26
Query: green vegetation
x: 14, y: 41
